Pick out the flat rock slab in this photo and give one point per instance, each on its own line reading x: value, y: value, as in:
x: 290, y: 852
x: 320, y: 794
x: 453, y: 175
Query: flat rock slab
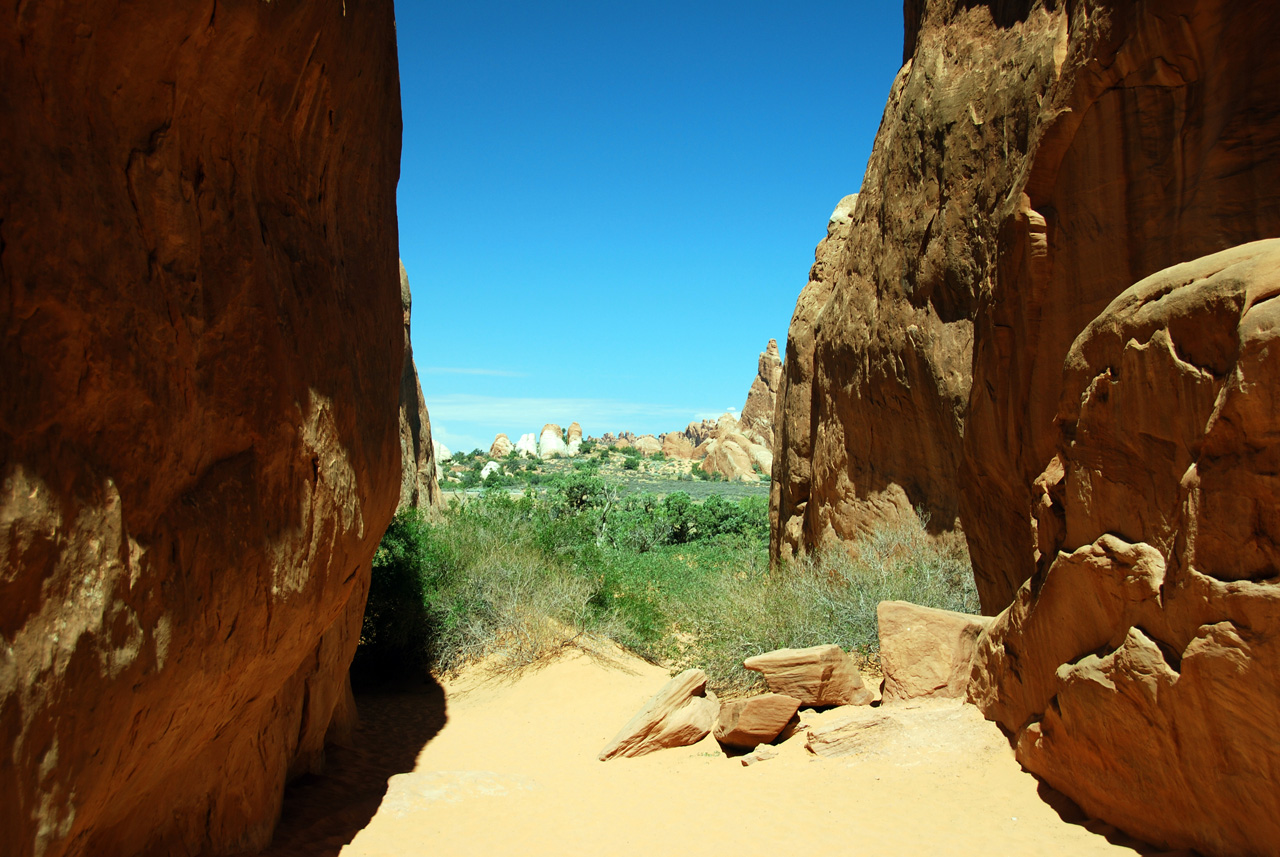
x: 922, y: 731
x: 926, y: 652
x: 680, y: 714
x: 747, y: 723
x: 818, y: 675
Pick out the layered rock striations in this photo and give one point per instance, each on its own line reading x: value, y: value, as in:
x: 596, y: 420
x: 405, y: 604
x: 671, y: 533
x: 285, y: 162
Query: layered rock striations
x: 203, y: 350
x: 1139, y: 671
x: 419, y: 476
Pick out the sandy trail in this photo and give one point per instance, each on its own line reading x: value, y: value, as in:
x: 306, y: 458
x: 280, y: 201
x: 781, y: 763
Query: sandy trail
x: 514, y: 770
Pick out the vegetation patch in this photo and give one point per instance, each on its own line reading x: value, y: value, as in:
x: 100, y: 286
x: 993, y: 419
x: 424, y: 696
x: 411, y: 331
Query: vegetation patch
x: 682, y: 583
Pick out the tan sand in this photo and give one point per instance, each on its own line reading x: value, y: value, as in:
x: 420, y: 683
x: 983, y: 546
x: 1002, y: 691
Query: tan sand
x: 514, y: 771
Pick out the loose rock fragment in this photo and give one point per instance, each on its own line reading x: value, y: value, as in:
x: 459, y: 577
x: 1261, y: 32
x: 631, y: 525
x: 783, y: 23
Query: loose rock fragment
x: 926, y: 652
x: 680, y: 714
x: 818, y: 675
x: 758, y: 720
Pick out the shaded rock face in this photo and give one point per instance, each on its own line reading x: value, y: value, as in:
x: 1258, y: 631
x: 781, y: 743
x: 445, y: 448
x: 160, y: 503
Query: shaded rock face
x: 1031, y: 164
x: 1139, y: 671
x: 419, y: 477
x: 203, y: 350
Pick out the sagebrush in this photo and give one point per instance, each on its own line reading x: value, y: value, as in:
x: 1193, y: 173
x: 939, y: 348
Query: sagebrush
x: 514, y: 579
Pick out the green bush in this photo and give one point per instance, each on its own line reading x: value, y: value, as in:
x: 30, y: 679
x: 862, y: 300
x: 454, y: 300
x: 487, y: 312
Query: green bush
x: 631, y: 462
x: 679, y: 582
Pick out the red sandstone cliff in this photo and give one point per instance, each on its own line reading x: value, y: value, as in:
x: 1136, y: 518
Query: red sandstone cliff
x: 198, y: 444
x: 1033, y: 161
x: 979, y: 339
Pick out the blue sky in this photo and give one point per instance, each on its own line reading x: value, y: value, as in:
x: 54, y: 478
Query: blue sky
x: 608, y: 209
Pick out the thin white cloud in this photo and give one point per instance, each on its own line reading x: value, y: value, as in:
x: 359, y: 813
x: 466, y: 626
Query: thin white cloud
x: 456, y: 441
x: 527, y: 414
x: 454, y: 370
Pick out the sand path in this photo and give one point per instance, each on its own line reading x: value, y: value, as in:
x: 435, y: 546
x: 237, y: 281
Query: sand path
x: 514, y: 770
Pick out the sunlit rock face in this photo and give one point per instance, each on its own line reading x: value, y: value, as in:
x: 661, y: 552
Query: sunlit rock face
x: 202, y: 349
x: 1139, y: 670
x: 1034, y: 160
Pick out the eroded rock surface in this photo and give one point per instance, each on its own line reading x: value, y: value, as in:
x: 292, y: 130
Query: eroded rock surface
x: 1033, y: 162
x: 202, y: 349
x: 419, y: 476
x: 1140, y: 671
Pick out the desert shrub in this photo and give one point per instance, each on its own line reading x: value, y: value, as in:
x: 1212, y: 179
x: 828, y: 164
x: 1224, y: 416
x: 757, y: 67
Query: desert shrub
x: 631, y: 462
x: 658, y: 456
x: 586, y: 447
x: 679, y: 582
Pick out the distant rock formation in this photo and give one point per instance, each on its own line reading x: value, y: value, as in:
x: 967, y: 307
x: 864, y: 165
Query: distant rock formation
x: 647, y: 445
x: 551, y: 441
x: 756, y: 419
x: 725, y: 446
x: 199, y: 440
x: 501, y: 447
x: 527, y: 445
x: 419, y: 475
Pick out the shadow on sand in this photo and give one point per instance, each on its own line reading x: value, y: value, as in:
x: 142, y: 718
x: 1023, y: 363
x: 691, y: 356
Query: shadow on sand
x: 324, y: 812
x: 1071, y: 813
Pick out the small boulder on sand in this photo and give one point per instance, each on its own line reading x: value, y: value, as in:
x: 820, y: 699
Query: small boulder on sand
x: 746, y: 723
x: 926, y: 652
x: 680, y: 714
x: 818, y: 675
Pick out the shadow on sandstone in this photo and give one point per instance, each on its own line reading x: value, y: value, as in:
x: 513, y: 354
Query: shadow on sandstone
x: 399, y: 715
x: 1071, y: 813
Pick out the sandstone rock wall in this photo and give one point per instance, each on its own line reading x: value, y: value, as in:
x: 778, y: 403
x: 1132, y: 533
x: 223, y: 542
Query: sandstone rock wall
x: 419, y: 476
x: 877, y: 374
x: 1158, y: 144
x: 1139, y: 672
x: 1033, y: 161
x: 202, y: 350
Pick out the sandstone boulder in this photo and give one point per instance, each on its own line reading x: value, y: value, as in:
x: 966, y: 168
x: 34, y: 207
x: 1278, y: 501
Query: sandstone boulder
x: 681, y: 713
x: 527, y: 445
x: 202, y: 349
x: 1140, y: 674
x: 574, y: 438
x: 676, y: 445
x: 489, y: 469
x: 818, y: 675
x: 925, y: 652
x: 501, y: 447
x: 551, y: 441
x: 758, y: 720
x: 648, y: 445
x: 728, y: 456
